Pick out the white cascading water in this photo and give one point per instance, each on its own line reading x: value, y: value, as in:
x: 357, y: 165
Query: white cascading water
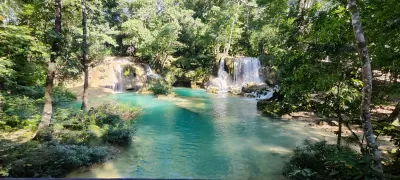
x: 246, y: 70
x: 147, y: 69
x: 150, y: 73
x: 118, y: 86
x: 223, y: 76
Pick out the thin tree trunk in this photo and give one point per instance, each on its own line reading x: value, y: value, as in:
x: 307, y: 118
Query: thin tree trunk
x: 55, y: 49
x: 367, y: 83
x: 360, y: 143
x: 84, y: 59
x: 226, y: 49
x: 300, y: 6
x: 339, y: 113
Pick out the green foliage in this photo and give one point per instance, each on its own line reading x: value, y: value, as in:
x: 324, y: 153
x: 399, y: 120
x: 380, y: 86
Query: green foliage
x: 321, y: 161
x: 160, y: 87
x: 20, y: 112
x: 21, y: 56
x: 54, y: 160
x: 119, y: 135
x: 108, y: 122
x: 23, y: 109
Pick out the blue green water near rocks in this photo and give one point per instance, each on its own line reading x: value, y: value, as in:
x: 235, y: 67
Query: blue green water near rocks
x: 200, y: 135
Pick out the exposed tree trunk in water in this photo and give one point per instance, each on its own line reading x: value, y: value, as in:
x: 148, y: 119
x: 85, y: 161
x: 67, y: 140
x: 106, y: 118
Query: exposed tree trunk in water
x: 367, y: 83
x: 55, y: 48
x: 84, y: 59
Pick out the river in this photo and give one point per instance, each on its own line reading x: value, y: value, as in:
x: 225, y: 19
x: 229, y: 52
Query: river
x: 201, y: 135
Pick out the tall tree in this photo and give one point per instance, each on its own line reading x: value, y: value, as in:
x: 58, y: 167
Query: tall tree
x: 367, y: 84
x: 55, y: 49
x: 84, y: 59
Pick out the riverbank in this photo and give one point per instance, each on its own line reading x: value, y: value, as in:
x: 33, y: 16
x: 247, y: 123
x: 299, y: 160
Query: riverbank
x: 74, y: 139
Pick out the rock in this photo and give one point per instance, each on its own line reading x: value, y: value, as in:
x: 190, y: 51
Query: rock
x: 334, y: 123
x: 286, y: 117
x: 194, y: 85
x: 322, y: 123
x: 253, y: 87
x: 262, y: 104
x: 234, y: 90
x: 249, y: 95
x: 212, y: 89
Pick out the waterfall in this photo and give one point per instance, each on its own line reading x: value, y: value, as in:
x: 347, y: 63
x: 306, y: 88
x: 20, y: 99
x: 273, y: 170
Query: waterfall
x: 148, y: 70
x: 150, y: 73
x: 222, y: 76
x: 118, y: 86
x: 246, y: 70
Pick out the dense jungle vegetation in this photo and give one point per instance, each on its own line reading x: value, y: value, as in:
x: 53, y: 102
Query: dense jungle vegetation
x: 337, y: 58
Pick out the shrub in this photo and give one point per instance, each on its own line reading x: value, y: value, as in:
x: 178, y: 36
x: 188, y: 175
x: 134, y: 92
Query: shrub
x: 103, y: 123
x: 159, y: 87
x: 60, y: 95
x: 55, y: 160
x: 19, y: 112
x: 322, y: 161
x: 124, y: 111
x: 24, y: 110
x: 121, y: 135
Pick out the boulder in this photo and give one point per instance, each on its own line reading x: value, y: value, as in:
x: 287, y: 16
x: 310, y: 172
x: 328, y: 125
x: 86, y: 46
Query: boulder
x: 212, y: 89
x: 234, y: 90
x: 195, y: 85
x: 262, y: 104
x: 334, y: 123
x: 286, y: 117
x: 254, y: 87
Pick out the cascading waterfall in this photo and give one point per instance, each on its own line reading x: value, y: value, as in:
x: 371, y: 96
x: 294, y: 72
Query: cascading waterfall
x: 118, y: 86
x: 148, y: 69
x: 246, y: 70
x: 150, y: 73
x: 223, y: 76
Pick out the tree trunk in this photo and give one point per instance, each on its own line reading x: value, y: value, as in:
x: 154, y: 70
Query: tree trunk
x: 339, y: 113
x: 395, y: 113
x: 367, y: 83
x: 228, y: 46
x: 84, y: 59
x: 55, y: 49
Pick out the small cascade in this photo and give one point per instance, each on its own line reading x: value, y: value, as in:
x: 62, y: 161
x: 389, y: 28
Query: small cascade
x: 150, y: 73
x: 147, y: 69
x: 118, y: 86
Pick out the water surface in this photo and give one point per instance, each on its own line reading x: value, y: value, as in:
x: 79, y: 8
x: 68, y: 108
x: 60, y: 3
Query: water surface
x: 200, y: 135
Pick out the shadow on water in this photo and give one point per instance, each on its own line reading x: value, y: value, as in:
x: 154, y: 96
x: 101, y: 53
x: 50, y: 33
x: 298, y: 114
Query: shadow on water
x: 224, y: 137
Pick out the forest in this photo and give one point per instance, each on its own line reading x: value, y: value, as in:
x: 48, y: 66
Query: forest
x: 83, y: 83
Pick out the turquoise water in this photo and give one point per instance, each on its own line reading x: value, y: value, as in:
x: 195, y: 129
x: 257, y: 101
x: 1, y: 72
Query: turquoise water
x: 200, y: 135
